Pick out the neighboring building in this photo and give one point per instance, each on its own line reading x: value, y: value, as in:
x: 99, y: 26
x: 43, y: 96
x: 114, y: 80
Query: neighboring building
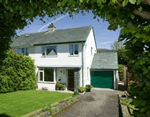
x: 67, y: 55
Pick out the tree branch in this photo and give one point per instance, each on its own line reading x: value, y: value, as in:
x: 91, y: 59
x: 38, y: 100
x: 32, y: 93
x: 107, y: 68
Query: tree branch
x: 143, y: 14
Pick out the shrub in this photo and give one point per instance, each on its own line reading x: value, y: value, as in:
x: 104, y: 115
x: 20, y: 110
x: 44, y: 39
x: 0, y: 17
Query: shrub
x: 17, y: 72
x: 60, y: 85
x: 121, y: 72
x: 81, y: 89
x: 88, y: 87
x: 75, y: 93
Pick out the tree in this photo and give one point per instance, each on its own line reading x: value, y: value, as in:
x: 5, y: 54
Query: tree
x: 132, y: 16
x: 117, y: 45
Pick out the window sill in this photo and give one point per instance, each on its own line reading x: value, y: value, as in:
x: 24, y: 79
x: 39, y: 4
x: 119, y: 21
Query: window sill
x: 46, y: 82
x: 52, y: 56
x: 73, y: 55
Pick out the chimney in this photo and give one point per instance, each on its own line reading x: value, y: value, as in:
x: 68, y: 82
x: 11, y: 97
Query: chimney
x: 51, y: 27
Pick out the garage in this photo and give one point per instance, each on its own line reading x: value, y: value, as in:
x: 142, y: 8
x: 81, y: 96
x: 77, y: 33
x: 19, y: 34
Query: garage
x: 104, y: 70
x: 102, y: 79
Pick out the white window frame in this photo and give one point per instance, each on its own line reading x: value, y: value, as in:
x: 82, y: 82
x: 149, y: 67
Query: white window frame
x: 73, y: 49
x: 54, y: 72
x: 46, y: 50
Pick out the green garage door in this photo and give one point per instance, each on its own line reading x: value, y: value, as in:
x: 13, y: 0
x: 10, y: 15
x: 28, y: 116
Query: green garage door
x: 102, y: 79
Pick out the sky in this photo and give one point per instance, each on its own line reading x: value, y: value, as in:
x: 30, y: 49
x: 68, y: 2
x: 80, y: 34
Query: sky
x: 104, y: 37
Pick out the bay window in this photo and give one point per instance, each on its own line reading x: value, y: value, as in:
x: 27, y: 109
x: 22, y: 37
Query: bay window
x: 46, y: 75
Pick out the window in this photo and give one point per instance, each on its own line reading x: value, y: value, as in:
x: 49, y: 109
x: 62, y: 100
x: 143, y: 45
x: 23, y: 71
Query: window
x: 49, y: 50
x: 46, y: 74
x: 24, y: 51
x: 49, y: 75
x: 91, y: 51
x: 74, y: 49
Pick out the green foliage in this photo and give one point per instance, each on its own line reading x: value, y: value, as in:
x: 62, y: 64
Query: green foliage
x: 127, y: 102
x: 17, y: 73
x: 75, y: 93
x: 88, y: 87
x: 81, y: 89
x: 122, y: 56
x: 131, y: 16
x: 121, y: 72
x: 60, y: 85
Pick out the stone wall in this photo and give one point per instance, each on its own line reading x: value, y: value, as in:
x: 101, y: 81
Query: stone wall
x: 76, y: 79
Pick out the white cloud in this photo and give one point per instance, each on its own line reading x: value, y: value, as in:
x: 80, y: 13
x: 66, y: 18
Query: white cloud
x: 106, y: 42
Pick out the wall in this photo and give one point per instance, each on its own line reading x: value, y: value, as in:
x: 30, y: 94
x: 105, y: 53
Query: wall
x: 88, y: 58
x: 63, y: 76
x: 63, y: 58
x: 50, y: 86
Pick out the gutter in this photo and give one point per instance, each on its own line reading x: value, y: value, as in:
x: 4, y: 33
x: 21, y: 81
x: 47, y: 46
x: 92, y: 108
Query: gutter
x: 82, y: 66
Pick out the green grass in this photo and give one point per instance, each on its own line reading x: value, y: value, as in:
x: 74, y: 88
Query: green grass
x: 22, y: 102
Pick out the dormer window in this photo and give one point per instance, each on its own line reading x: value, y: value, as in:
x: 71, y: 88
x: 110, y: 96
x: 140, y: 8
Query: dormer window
x: 74, y: 49
x: 24, y: 51
x: 49, y: 50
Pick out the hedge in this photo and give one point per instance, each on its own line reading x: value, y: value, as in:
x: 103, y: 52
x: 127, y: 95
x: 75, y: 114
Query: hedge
x: 17, y: 73
x: 121, y: 72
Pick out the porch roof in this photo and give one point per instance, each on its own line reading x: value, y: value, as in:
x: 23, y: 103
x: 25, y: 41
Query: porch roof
x: 60, y: 66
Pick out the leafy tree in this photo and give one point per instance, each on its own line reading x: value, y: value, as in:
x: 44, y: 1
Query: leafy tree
x: 117, y: 45
x: 132, y: 16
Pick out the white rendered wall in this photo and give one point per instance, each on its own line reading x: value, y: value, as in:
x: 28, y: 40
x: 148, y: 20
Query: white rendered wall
x: 63, y: 58
x: 62, y: 73
x: 49, y: 86
x: 88, y: 58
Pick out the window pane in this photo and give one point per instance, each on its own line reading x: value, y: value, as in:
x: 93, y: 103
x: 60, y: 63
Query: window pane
x: 27, y: 51
x: 76, y: 51
x: 41, y: 76
x: 71, y: 49
x: 49, y: 74
x: 19, y: 50
x: 43, y: 50
x: 51, y: 50
x: 23, y: 50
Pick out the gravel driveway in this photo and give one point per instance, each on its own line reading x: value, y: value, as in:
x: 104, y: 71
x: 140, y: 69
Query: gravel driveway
x: 98, y: 103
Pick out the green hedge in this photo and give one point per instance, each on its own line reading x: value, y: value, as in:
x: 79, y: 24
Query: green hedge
x: 17, y: 73
x: 121, y: 72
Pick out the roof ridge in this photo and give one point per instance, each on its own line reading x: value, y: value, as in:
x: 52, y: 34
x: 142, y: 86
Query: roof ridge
x: 56, y: 30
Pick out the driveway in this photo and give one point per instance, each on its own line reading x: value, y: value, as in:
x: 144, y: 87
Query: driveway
x: 98, y: 103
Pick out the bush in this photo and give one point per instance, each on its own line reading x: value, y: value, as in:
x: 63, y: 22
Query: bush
x: 59, y: 85
x: 75, y: 93
x: 121, y: 72
x: 88, y: 87
x: 81, y: 89
x: 17, y: 72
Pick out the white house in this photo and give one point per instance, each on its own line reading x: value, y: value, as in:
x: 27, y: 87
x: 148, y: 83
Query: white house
x: 68, y: 55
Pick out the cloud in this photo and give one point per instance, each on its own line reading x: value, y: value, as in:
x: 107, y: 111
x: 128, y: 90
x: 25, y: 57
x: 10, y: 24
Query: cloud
x: 106, y: 42
x: 59, y: 18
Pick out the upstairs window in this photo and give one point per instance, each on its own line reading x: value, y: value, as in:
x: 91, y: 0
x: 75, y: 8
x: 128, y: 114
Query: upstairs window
x: 74, y: 49
x: 49, y: 50
x: 24, y: 51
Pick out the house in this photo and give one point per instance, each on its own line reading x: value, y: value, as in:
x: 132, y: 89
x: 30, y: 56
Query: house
x: 68, y: 55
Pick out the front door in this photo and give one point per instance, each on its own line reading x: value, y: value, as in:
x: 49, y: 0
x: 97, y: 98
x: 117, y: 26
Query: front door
x: 70, y: 79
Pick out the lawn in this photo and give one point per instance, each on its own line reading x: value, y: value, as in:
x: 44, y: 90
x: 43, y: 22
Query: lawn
x: 22, y: 102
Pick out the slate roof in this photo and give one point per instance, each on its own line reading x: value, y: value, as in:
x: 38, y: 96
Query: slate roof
x: 58, y: 36
x: 105, y: 60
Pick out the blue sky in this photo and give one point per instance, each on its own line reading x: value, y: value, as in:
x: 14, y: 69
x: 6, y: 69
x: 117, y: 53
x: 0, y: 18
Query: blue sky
x: 104, y: 37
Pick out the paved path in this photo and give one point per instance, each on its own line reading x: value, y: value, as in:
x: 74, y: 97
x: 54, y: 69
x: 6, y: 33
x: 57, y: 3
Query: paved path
x: 98, y: 103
